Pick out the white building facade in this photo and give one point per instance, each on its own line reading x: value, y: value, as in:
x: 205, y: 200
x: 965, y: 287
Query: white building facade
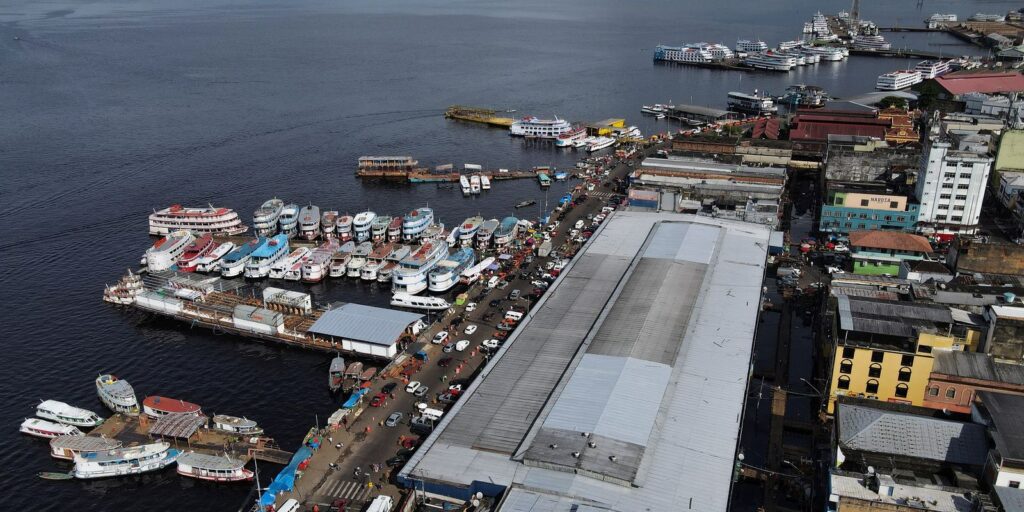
x: 950, y: 188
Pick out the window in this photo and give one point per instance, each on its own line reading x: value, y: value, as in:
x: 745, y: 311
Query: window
x: 877, y: 356
x: 951, y: 393
x: 907, y: 360
x: 875, y: 370
x: 965, y: 175
x: 933, y: 391
x: 1015, y: 484
x: 957, y: 219
x: 901, y: 390
x: 961, y: 197
x: 940, y: 217
x: 945, y: 196
x: 846, y: 366
x: 958, y: 207
x: 904, y: 374
x: 947, y: 185
x: 901, y: 219
x: 848, y: 352
x: 888, y: 218
x: 844, y: 382
x: 863, y: 216
x: 864, y: 202
x: 949, y: 175
x: 924, y: 349
x: 872, y: 387
x: 963, y: 186
x: 894, y: 204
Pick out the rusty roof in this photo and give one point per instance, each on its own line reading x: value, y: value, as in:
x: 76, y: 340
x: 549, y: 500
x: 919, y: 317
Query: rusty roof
x: 961, y: 83
x: 874, y: 239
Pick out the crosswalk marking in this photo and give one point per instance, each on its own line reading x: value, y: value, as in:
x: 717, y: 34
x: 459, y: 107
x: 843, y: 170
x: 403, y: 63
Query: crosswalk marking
x: 352, y: 491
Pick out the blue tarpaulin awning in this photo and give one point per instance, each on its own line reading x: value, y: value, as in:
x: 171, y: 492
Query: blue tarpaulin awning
x: 285, y: 480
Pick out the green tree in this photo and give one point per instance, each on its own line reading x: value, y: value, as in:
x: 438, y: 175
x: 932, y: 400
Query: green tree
x: 893, y: 101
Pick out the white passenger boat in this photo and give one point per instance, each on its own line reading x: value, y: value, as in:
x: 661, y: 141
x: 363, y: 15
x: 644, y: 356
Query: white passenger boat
x: 930, y: 69
x: 213, y: 468
x: 405, y: 300
x: 265, y: 256
x: 328, y: 222
x: 415, y: 222
x: 506, y: 232
x: 117, y: 394
x: 379, y: 228
x: 897, y: 80
x: 433, y: 231
x: 355, y: 264
x: 166, y: 251
x: 309, y: 222
x: 264, y: 219
x: 233, y: 264
x: 870, y: 42
x: 124, y: 461
x: 474, y: 184
x: 288, y: 222
x: 223, y: 221
x: 391, y: 263
x: 468, y: 229
x: 211, y: 262
x: 316, y: 266
x: 770, y: 61
x: 374, y: 261
x: 279, y: 269
x: 63, y: 413
x: 599, y: 143
x: 344, y: 228
x: 411, y: 275
x: 485, y: 182
x: 539, y: 128
x: 66, y: 447
x: 395, y: 230
x: 236, y: 425
x: 199, y: 248
x: 446, y: 273
x: 48, y: 429
x: 338, y: 266
x: 748, y: 46
x: 486, y: 233
x: 757, y: 104
x: 464, y: 185
x: 361, y: 225
x: 471, y: 274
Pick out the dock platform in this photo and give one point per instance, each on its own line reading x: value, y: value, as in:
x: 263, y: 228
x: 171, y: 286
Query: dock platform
x: 481, y: 115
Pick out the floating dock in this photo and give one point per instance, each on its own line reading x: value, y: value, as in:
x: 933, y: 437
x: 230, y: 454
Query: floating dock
x: 478, y: 115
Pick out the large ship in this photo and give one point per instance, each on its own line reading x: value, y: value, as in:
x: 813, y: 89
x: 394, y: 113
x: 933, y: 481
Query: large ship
x: 211, y: 261
x: 66, y: 447
x: 117, y: 394
x: 758, y: 104
x: 222, y: 221
x: 415, y: 222
x: 446, y: 273
x: 506, y: 232
x: 391, y: 262
x: 870, y: 42
x: 309, y: 222
x: 433, y: 231
x: 339, y: 260
x: 361, y: 224
x: 379, y: 228
x: 315, y: 268
x: 264, y: 219
x: 486, y: 233
x: 157, y: 406
x: 355, y: 264
x: 67, y: 414
x: 395, y: 230
x: 932, y: 68
x: 683, y: 54
x: 233, y: 264
x: 213, y: 468
x: 375, y: 261
x: 266, y: 255
x: 599, y: 143
x: 897, y: 80
x: 405, y: 300
x: 749, y: 46
x: 328, y: 221
x: 411, y: 275
x: 826, y: 53
x: 199, y: 248
x: 540, y: 128
x: 124, y: 461
x: 288, y: 222
x: 284, y: 265
x: 770, y: 61
x: 166, y: 251
x: 344, y: 228
x: 468, y: 229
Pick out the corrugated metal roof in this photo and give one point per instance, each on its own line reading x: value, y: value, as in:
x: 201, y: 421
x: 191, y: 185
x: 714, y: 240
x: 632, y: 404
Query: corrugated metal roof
x: 863, y: 314
x: 976, y: 365
x: 874, y: 430
x: 957, y: 83
x: 1007, y: 412
x: 358, y: 322
x: 1011, y: 498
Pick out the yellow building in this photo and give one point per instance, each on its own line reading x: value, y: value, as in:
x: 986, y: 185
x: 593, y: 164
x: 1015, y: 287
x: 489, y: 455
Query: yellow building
x: 884, y: 349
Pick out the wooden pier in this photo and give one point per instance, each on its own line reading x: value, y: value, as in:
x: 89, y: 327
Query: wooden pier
x: 481, y: 115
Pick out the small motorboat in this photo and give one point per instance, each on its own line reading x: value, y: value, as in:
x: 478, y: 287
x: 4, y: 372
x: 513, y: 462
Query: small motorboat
x: 48, y: 429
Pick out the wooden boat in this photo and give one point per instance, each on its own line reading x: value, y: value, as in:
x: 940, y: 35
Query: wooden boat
x: 157, y: 406
x: 213, y: 468
x: 368, y: 373
x: 51, y: 475
x: 66, y: 447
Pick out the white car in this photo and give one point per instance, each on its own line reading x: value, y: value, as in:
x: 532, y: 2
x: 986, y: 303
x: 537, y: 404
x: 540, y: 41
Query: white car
x: 461, y: 345
x: 470, y: 329
x: 412, y: 386
x: 540, y: 284
x: 841, y: 247
x: 491, y: 343
x: 471, y: 307
x: 440, y: 338
x: 549, y: 265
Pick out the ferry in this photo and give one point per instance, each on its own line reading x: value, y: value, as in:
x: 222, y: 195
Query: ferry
x: 355, y: 264
x: 433, y: 231
x: 826, y: 53
x: 336, y: 373
x: 940, y: 20
x: 789, y: 45
x: 540, y: 128
x: 166, y: 251
x: 468, y: 229
x: 213, y: 468
x: 236, y: 425
x: 485, y: 182
x: 327, y: 223
x: 758, y: 104
x: 391, y: 263
x: 288, y: 263
x: 991, y: 18
x: 411, y: 275
x: 897, y: 80
x: 452, y: 238
x: 48, y: 429
x: 543, y: 179
x: 288, y: 222
x: 395, y: 230
x: 800, y: 95
x: 599, y: 143
x: 471, y: 274
x: 415, y: 222
x: 405, y: 300
x: 656, y: 109
x: 125, y: 290
x: 221, y: 221
x: 375, y: 261
x: 506, y: 232
x: 770, y: 61
x: 63, y: 413
x: 932, y: 68
x: 474, y: 184
x: 361, y: 225
x: 748, y: 46
x: 157, y: 406
x: 379, y: 228
x: 338, y: 265
x: 233, y: 264
x: 66, y: 447
x: 309, y: 222
x: 682, y: 54
x: 264, y: 219
x: 870, y: 42
x: 344, y: 228
x: 464, y: 185
x: 199, y: 248
x: 274, y: 249
x: 294, y: 273
x: 446, y: 273
x: 569, y: 138
x: 117, y: 394
x: 124, y: 461
x: 211, y: 261
x: 486, y: 233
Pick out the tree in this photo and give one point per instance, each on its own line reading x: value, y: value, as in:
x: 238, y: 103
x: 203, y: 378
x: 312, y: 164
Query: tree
x: 893, y: 101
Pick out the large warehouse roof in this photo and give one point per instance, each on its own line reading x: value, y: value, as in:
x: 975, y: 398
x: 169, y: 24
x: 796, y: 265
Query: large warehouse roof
x: 357, y: 322
x: 625, y: 386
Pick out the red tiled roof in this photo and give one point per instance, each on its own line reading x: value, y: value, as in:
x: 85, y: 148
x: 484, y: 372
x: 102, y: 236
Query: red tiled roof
x: 894, y: 240
x: 817, y: 131
x: 961, y: 83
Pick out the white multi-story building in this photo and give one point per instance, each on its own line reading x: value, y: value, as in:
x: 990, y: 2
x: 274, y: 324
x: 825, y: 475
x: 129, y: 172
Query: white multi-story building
x: 950, y: 187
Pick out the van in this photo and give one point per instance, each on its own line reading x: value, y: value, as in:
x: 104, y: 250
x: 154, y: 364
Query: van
x: 291, y: 505
x: 493, y: 281
x: 382, y: 503
x: 431, y: 414
x: 515, y: 316
x: 579, y: 224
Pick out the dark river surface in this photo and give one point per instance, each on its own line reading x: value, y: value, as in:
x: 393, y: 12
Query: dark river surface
x: 109, y: 109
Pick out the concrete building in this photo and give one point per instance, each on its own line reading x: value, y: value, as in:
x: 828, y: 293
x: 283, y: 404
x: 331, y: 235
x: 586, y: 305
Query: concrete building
x: 866, y: 159
x: 1004, y: 415
x: 922, y: 271
x: 969, y: 255
x: 1011, y: 196
x: 857, y: 492
x: 1005, y: 337
x: 624, y: 387
x: 862, y: 206
x: 374, y: 332
x: 1008, y: 499
x: 955, y: 85
x: 950, y: 187
x: 1010, y: 156
x: 957, y: 377
x: 881, y: 252
x: 697, y: 179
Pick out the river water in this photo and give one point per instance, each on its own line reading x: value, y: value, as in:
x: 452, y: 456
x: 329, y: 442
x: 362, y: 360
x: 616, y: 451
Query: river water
x: 113, y: 108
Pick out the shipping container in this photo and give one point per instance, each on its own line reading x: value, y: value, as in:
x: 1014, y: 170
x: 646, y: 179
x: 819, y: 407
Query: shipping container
x: 158, y: 302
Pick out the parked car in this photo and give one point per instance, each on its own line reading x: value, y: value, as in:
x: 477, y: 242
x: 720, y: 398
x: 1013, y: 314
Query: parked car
x: 471, y: 307
x: 540, y: 284
x: 447, y: 398
x: 379, y: 400
x: 412, y: 386
x: 488, y: 316
x: 394, y: 419
x: 389, y: 387
x: 421, y: 391
x: 447, y: 349
x: 502, y: 285
x: 444, y: 362
x: 440, y: 338
x: 470, y: 329
x: 514, y: 294
x: 461, y: 345
x: 397, y: 460
x: 491, y: 343
x: 495, y: 303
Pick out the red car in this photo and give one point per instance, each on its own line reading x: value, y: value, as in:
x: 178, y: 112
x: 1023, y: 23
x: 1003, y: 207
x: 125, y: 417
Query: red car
x: 379, y: 400
x: 443, y: 363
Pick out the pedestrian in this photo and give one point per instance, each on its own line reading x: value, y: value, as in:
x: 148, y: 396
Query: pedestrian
x: 339, y: 445
x: 330, y: 439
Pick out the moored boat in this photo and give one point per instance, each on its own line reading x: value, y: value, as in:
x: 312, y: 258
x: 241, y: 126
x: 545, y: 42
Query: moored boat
x: 223, y: 221
x: 157, y: 406
x: 344, y: 228
x: 468, y: 229
x: 213, y: 468
x: 265, y: 256
x: 506, y: 232
x: 233, y: 263
x: 235, y: 425
x: 69, y: 415
x: 339, y: 260
x: 391, y: 262
x: 374, y: 261
x: 264, y: 219
x: 48, y: 429
x: 471, y: 274
x: 316, y: 267
x: 445, y: 274
x: 411, y: 274
x: 117, y: 394
x: 166, y: 251
x: 464, y: 185
x: 485, y: 182
x: 361, y: 225
x: 211, y: 261
x: 124, y: 461
x: 395, y: 230
x: 66, y: 447
x: 355, y: 264
x: 474, y: 184
x: 415, y: 222
x: 486, y: 233
x: 524, y: 204
x: 336, y: 373
x: 125, y: 290
x: 309, y: 222
x: 288, y: 222
x: 406, y: 300
x: 199, y: 248
x: 433, y: 231
x: 328, y: 221
x: 379, y: 228
x: 288, y: 263
x: 568, y: 139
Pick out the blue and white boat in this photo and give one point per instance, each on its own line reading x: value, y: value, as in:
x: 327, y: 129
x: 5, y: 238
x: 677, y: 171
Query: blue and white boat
x: 506, y: 232
x: 446, y: 274
x: 361, y: 225
x: 264, y: 219
x: 289, y: 220
x: 468, y: 229
x: 234, y: 263
x: 416, y: 222
x: 266, y: 255
x: 124, y: 461
x: 411, y: 275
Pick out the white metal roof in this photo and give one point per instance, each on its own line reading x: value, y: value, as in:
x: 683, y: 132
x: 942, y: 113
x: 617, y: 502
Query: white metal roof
x: 357, y: 322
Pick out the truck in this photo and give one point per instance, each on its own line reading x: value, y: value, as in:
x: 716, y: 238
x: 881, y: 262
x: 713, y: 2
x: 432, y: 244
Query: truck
x: 545, y: 249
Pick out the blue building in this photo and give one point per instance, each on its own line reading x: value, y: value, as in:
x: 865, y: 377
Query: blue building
x: 851, y: 208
